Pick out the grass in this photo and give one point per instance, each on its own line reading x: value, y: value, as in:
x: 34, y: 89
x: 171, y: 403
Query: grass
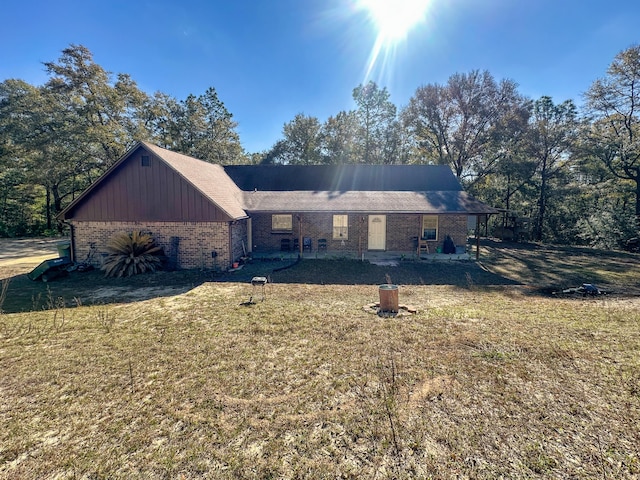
x: 484, y: 381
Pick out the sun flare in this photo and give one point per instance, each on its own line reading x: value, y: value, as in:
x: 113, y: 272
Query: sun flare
x: 394, y: 18
x: 392, y: 21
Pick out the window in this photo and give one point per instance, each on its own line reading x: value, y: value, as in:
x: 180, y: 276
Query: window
x: 145, y: 161
x: 429, y: 227
x: 340, y: 227
x: 282, y: 223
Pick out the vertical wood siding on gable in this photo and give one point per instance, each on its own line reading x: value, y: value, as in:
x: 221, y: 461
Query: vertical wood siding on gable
x: 154, y: 193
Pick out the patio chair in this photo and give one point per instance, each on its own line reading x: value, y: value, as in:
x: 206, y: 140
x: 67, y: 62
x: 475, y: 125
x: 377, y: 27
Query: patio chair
x: 307, y: 244
x: 322, y: 244
x: 296, y: 244
x: 285, y: 245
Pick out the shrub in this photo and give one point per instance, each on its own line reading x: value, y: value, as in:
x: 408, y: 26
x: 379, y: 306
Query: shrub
x: 131, y: 254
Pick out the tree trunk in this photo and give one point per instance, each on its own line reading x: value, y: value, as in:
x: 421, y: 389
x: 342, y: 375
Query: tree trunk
x: 57, y: 205
x: 637, y: 179
x: 48, y: 213
x: 542, y: 206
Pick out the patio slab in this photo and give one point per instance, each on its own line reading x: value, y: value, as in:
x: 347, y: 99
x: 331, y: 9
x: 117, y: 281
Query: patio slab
x: 386, y: 258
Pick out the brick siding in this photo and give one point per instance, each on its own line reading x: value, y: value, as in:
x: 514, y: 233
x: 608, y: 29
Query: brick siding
x: 238, y: 239
x: 197, y: 240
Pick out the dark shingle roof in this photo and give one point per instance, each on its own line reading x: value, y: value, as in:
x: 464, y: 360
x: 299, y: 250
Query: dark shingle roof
x: 442, y: 202
x: 353, y: 188
x: 344, y: 178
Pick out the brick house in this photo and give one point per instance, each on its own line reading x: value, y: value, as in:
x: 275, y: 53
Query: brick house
x: 210, y: 215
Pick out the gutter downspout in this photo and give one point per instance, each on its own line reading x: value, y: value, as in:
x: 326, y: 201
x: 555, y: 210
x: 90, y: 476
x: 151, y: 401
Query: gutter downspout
x: 231, y: 259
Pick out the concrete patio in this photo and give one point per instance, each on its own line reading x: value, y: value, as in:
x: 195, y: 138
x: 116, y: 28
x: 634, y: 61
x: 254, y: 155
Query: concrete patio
x: 388, y: 258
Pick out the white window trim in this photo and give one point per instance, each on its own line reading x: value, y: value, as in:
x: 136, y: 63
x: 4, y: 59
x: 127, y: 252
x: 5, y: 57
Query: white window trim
x: 437, y: 225
x: 278, y: 219
x: 341, y: 229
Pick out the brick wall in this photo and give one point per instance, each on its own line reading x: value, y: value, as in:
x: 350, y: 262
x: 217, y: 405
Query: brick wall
x: 197, y: 240
x: 238, y: 239
x: 401, y: 231
x: 455, y: 226
x: 312, y: 225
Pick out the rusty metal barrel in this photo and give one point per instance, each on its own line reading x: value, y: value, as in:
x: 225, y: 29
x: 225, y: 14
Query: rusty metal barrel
x: 388, y: 298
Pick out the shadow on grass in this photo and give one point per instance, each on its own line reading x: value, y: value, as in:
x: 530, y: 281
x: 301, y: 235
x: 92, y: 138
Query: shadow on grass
x: 92, y: 288
x: 355, y: 272
x: 554, y: 267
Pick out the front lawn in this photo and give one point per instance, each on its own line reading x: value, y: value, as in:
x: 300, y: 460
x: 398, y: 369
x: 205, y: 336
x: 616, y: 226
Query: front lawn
x: 484, y: 381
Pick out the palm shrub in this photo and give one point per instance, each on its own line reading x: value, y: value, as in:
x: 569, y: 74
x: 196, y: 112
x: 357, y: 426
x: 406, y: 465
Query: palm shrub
x: 132, y: 253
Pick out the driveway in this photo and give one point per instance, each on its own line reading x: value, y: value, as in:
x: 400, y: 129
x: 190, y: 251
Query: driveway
x: 27, y: 250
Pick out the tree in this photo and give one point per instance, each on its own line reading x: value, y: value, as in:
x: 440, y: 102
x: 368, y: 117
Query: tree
x: 201, y: 127
x: 376, y: 115
x: 338, y: 138
x: 462, y: 123
x: 105, y: 110
x: 551, y: 138
x: 38, y: 131
x: 301, y: 142
x: 18, y: 196
x: 612, y: 104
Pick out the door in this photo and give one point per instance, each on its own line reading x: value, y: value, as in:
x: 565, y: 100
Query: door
x: 377, y: 232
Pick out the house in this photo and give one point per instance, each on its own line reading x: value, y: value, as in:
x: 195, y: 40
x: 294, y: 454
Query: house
x: 208, y: 216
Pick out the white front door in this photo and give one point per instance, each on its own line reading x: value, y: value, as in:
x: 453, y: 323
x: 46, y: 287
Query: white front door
x: 377, y: 232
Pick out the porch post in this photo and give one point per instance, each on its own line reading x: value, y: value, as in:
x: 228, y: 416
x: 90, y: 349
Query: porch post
x: 477, y: 237
x: 300, y: 246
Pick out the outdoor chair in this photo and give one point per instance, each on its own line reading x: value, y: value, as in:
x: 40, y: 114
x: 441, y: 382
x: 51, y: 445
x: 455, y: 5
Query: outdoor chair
x: 296, y: 244
x: 322, y: 244
x: 285, y: 245
x: 307, y: 244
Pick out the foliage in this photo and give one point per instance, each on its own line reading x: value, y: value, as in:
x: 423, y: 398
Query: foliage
x: 339, y: 136
x: 131, y: 254
x: 462, y: 123
x: 378, y: 139
x: 612, y: 103
x: 550, y: 139
x: 607, y: 227
x: 300, y: 144
x: 201, y: 127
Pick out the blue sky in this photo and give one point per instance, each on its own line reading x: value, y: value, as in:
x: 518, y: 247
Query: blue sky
x: 271, y: 59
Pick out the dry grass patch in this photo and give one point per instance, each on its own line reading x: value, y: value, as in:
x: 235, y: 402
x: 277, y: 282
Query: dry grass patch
x: 480, y: 383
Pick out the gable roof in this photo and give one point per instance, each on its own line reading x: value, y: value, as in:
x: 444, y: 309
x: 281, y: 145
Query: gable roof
x: 344, y: 178
x: 209, y: 179
x: 237, y: 189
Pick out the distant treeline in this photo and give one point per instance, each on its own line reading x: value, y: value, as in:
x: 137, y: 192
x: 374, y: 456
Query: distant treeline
x: 574, y: 173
